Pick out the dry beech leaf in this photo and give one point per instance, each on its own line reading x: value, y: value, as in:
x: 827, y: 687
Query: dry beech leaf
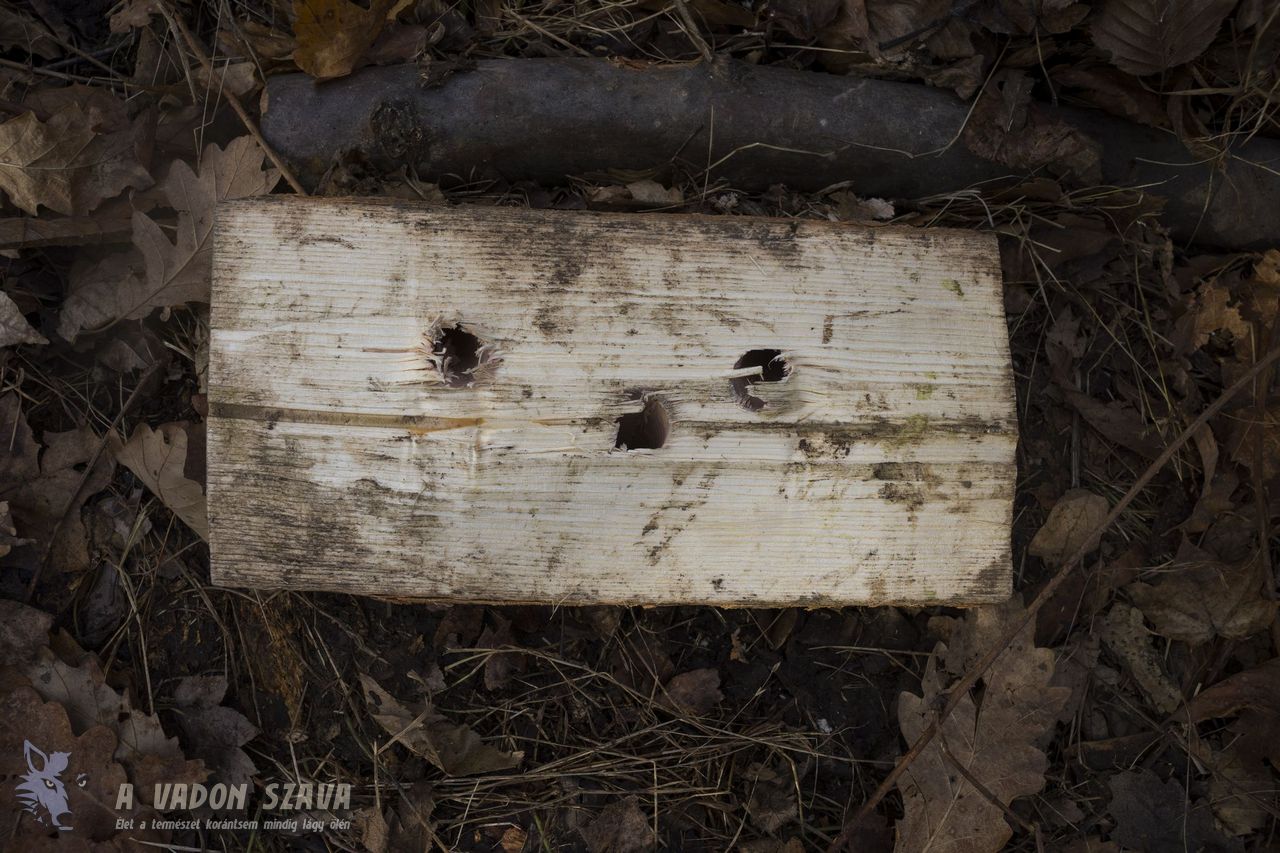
x: 998, y: 738
x: 65, y: 164
x: 1073, y: 522
x: 455, y: 749
x: 1197, y: 598
x: 333, y: 35
x: 158, y: 273
x: 158, y: 458
x: 1150, y: 36
x: 14, y: 328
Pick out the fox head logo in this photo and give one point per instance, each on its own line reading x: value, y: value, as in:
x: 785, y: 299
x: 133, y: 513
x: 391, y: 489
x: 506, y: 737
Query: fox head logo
x: 42, y: 791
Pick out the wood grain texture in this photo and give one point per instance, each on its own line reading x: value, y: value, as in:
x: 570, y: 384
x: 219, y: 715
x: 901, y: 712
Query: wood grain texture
x: 880, y: 470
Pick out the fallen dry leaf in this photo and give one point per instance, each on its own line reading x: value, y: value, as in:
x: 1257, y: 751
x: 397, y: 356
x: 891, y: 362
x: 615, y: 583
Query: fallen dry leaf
x: 997, y: 738
x: 158, y: 273
x: 1154, y: 815
x: 215, y: 732
x: 513, y: 839
x: 158, y: 459
x: 1008, y: 128
x: 637, y: 195
x: 695, y: 692
x: 1254, y: 439
x: 1197, y: 597
x: 132, y: 14
x: 455, y: 749
x: 771, y: 804
x: 9, y: 538
x: 1117, y: 421
x: 1210, y: 312
x: 621, y: 828
x: 45, y: 497
x: 91, y: 778
x: 1116, y: 92
x: 1150, y: 36
x: 1254, y: 697
x: 21, y: 30
x: 78, y: 686
x: 1073, y: 523
x: 14, y: 328
x: 499, y: 667
x: 66, y: 164
x: 24, y: 631
x: 409, y: 825
x: 333, y: 35
x: 804, y: 19
x: 1242, y: 790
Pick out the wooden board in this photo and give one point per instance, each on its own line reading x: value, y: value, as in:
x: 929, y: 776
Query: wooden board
x: 360, y: 441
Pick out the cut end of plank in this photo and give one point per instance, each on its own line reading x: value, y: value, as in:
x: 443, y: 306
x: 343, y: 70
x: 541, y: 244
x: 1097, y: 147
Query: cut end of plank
x: 500, y: 405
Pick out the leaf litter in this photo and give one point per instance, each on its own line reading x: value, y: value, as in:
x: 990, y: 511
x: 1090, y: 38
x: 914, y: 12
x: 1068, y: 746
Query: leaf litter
x: 1138, y: 711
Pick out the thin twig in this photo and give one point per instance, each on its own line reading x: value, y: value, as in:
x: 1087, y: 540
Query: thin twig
x: 961, y: 689
x: 180, y: 27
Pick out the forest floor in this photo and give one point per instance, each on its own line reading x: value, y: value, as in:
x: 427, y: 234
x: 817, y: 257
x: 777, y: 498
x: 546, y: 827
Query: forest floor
x: 1138, y: 710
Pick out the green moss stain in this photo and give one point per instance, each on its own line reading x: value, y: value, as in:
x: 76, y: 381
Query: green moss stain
x: 923, y: 391
x: 910, y: 431
x: 954, y: 286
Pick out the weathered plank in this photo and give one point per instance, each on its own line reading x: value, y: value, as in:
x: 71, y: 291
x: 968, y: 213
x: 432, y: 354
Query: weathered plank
x: 427, y: 402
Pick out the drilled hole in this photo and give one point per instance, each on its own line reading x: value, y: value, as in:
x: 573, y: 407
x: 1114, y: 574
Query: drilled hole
x: 773, y: 368
x: 457, y: 352
x: 646, y: 429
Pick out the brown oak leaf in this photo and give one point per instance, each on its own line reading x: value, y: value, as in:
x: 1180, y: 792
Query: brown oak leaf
x: 159, y: 273
x: 66, y: 163
x: 997, y: 738
x: 158, y: 458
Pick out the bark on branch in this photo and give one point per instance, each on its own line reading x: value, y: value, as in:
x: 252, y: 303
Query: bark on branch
x: 548, y: 119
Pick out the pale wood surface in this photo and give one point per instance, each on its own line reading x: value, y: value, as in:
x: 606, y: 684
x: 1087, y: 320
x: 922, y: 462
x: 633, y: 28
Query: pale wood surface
x: 880, y: 470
